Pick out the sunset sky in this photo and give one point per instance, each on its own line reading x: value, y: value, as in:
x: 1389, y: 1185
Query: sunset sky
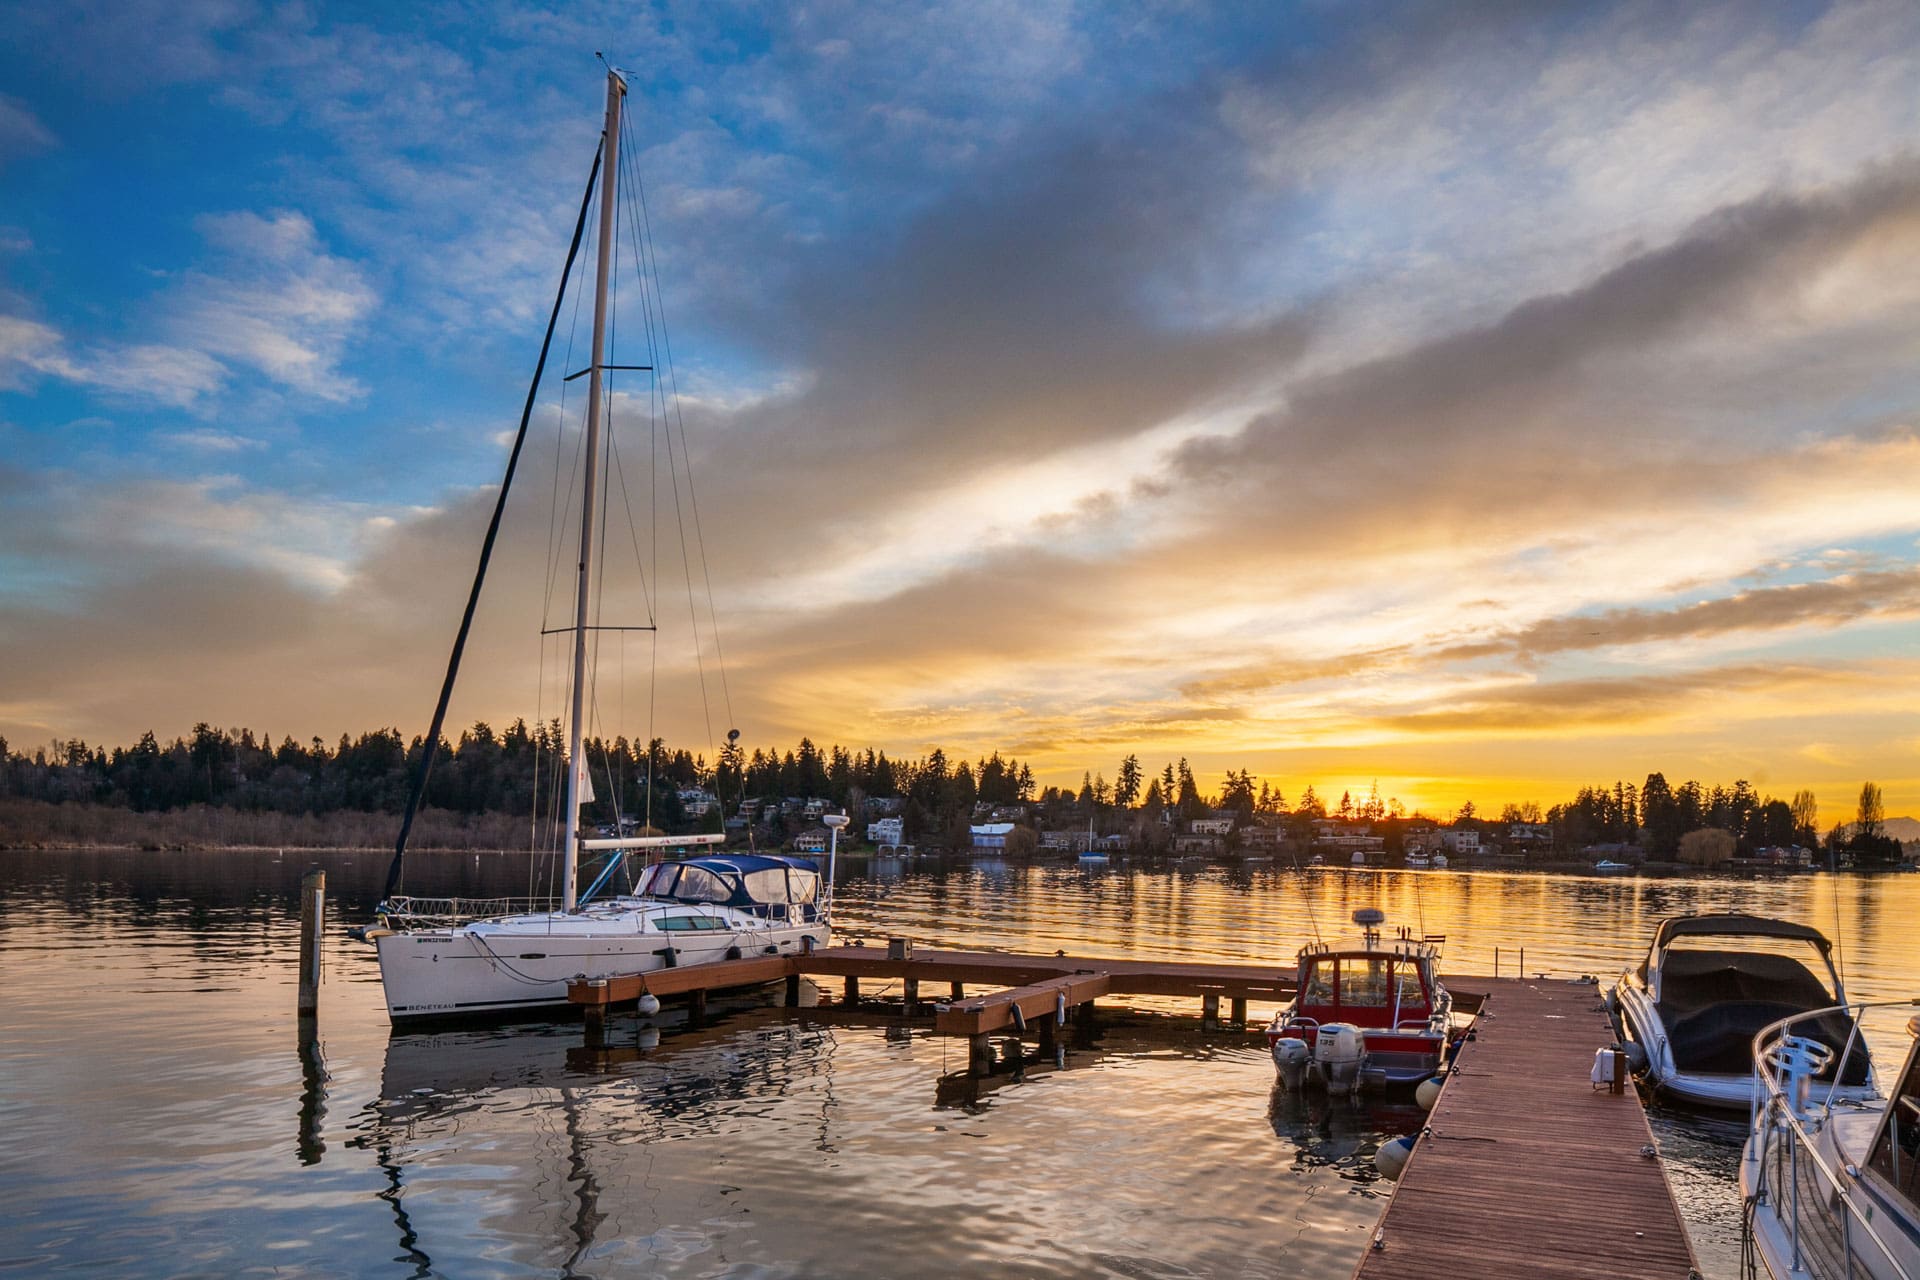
x: 1483, y: 399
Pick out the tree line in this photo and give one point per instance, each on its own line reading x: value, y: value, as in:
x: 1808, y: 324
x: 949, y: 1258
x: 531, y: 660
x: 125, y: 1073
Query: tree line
x: 520, y: 771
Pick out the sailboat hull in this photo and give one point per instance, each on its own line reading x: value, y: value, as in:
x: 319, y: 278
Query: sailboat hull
x: 525, y: 962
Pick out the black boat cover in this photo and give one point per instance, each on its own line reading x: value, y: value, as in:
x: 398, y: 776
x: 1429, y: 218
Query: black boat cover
x: 1713, y: 1003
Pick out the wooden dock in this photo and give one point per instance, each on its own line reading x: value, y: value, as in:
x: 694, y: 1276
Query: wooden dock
x: 1031, y: 993
x: 1526, y: 1169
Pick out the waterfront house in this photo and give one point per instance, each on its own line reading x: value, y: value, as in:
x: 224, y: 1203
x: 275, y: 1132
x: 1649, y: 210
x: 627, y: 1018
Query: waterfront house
x: 1202, y: 843
x: 886, y: 831
x: 813, y: 841
x: 991, y: 835
x: 1211, y: 826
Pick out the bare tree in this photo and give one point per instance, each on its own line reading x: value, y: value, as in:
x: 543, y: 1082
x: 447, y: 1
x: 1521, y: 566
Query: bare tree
x: 1872, y: 811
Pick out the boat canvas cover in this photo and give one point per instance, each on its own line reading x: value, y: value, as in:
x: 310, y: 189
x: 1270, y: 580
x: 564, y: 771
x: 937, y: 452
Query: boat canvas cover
x: 1713, y: 1003
x: 1736, y: 924
x: 750, y: 880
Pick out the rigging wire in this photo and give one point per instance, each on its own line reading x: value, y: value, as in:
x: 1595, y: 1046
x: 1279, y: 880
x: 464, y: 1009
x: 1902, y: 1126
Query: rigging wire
x: 432, y: 742
x: 672, y: 389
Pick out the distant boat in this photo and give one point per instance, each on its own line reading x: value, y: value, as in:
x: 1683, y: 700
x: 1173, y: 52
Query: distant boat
x: 1608, y: 867
x: 1439, y: 861
x: 1418, y: 862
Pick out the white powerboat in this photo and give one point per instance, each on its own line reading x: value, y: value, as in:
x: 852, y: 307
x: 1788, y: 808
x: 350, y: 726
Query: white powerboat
x: 1709, y: 984
x: 1831, y: 1184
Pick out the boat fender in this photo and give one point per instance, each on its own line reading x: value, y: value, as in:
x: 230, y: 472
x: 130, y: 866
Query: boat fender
x: 1019, y: 1019
x: 1060, y: 1009
x: 1636, y: 1057
x: 648, y: 1005
x: 733, y: 953
x: 1428, y: 1092
x: 1391, y: 1159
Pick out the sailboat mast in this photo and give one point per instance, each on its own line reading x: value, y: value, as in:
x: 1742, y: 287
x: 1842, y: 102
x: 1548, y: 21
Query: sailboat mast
x: 576, y: 731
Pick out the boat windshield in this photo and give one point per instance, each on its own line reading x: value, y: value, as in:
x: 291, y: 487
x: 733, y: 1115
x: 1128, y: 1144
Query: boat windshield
x: 684, y: 884
x: 1896, y: 1152
x: 1363, y: 981
x: 1412, y: 994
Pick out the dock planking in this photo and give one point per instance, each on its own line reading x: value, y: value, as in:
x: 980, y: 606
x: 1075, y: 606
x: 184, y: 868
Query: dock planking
x: 1029, y: 984
x: 1527, y: 1170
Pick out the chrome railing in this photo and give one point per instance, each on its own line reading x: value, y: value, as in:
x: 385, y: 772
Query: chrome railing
x: 1830, y: 1233
x: 429, y: 913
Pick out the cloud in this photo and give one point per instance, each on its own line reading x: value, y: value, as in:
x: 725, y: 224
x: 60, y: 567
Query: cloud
x: 274, y: 301
x: 1625, y: 701
x: 208, y: 440
x: 1832, y: 603
x: 143, y: 371
x: 21, y: 132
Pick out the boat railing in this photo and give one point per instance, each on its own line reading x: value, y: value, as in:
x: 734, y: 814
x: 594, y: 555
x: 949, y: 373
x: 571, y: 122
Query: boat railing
x: 1829, y: 1230
x: 429, y: 913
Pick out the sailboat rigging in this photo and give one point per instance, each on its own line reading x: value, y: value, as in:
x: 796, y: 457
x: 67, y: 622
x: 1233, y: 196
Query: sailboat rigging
x: 442, y: 957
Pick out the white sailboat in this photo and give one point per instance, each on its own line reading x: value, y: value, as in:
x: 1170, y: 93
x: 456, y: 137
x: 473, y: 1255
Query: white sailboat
x: 449, y: 957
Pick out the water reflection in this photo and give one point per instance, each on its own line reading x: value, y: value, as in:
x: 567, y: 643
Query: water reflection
x: 768, y: 1141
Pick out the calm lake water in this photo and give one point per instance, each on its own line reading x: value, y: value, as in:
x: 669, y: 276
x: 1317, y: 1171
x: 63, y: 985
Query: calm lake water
x: 158, y: 1116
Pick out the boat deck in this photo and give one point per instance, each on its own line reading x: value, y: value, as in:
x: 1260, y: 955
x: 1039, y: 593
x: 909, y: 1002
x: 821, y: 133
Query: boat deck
x: 1527, y: 1170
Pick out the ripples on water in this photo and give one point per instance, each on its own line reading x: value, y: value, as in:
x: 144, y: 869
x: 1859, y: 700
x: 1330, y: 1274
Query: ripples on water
x: 160, y: 1117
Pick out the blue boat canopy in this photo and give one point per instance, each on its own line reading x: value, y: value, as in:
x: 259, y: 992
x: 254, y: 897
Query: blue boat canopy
x: 746, y: 880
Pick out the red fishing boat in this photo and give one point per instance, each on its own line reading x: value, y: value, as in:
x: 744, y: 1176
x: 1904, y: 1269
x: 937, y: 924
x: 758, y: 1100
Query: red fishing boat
x: 1371, y: 1015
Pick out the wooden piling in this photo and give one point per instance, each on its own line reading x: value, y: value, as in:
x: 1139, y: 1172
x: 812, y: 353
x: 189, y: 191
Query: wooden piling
x: 1239, y: 1011
x: 980, y: 1054
x: 853, y: 988
x: 313, y: 914
x: 958, y: 990
x: 1210, y: 1012
x: 793, y: 990
x: 697, y: 1005
x: 910, y: 987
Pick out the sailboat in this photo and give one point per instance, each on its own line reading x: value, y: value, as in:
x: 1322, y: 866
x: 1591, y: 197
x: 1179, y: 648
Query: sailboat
x: 449, y: 957
x: 1094, y: 855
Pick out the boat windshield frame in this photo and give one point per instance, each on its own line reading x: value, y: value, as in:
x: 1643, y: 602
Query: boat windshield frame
x: 1397, y: 957
x: 734, y: 882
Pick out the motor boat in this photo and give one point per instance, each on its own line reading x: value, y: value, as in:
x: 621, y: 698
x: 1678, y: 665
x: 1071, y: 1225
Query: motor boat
x: 1418, y: 862
x: 1830, y: 1183
x: 1689, y: 1011
x: 1368, y: 1015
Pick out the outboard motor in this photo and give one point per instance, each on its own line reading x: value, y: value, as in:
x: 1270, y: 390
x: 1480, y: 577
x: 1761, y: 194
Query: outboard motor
x: 1339, y: 1051
x: 1291, y: 1057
